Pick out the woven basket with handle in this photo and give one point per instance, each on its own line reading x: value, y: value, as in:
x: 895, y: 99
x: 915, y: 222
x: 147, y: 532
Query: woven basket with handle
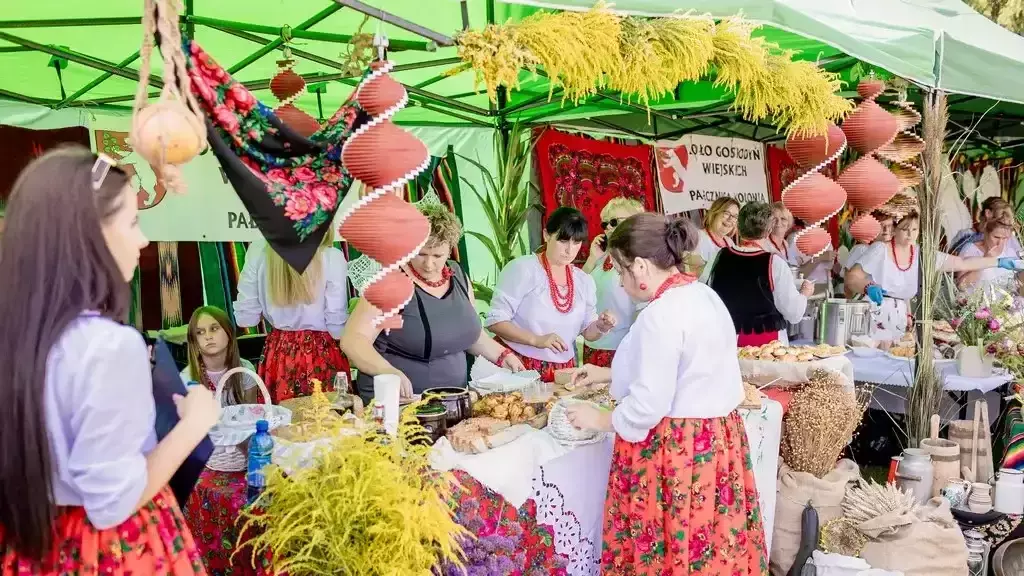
x: 238, y: 423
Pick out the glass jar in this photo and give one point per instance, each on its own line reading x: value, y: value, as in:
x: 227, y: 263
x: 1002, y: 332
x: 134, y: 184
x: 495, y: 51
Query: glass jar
x: 977, y: 553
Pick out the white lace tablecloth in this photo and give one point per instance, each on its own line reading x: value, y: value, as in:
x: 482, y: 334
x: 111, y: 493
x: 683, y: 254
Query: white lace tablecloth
x: 569, y: 486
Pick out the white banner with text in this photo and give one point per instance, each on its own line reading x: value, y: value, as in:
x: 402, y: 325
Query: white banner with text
x: 696, y: 170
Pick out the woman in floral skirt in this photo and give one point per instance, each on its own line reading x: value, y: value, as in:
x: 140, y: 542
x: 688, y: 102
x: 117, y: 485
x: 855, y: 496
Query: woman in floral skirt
x: 681, y: 496
x: 83, y: 480
x: 307, y: 312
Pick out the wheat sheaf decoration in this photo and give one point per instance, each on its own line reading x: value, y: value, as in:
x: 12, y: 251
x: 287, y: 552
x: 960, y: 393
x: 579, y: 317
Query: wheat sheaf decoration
x: 381, y: 224
x: 647, y: 58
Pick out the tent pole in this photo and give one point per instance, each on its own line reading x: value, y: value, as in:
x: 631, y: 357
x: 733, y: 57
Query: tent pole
x: 95, y: 82
x: 395, y: 45
x: 190, y: 27
x: 387, y: 17
x: 82, y: 59
x: 277, y: 42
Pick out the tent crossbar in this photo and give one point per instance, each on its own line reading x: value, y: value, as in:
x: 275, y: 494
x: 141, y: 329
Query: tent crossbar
x: 71, y: 22
x: 23, y: 98
x: 83, y: 59
x: 396, y: 45
x: 397, y: 21
x: 277, y: 42
x: 95, y: 82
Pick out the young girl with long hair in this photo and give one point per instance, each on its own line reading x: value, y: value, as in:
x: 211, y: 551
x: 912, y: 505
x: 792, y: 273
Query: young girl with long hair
x: 212, y: 351
x: 307, y: 311
x: 83, y: 481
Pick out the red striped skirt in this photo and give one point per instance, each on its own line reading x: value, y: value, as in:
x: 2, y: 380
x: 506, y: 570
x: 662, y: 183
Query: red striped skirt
x: 598, y: 357
x: 292, y: 358
x: 153, y: 541
x: 684, y: 502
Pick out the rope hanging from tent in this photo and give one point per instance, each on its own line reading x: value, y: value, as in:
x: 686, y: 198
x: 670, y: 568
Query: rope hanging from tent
x: 171, y: 131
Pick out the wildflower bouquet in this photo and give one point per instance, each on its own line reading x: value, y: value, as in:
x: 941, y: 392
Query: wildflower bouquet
x: 986, y: 319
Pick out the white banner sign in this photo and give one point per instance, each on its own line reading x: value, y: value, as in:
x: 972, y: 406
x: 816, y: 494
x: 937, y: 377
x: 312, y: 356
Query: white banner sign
x: 209, y: 211
x: 695, y: 170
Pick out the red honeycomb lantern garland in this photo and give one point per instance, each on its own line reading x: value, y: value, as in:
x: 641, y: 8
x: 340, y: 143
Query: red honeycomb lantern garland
x: 381, y: 224
x: 813, y: 197
x: 287, y: 86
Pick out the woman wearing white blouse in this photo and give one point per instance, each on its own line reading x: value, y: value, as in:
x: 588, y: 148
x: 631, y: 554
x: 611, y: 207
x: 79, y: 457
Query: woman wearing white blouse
x: 997, y: 241
x: 681, y: 496
x: 610, y: 295
x: 719, y: 228
x: 307, y: 312
x: 782, y: 222
x: 542, y: 302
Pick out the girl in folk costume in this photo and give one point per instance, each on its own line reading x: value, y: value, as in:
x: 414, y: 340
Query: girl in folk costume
x: 719, y: 228
x: 681, y: 493
x: 83, y: 480
x: 440, y: 326
x: 212, y: 351
x: 757, y: 286
x: 996, y: 241
x: 307, y: 311
x: 610, y: 295
x: 782, y: 222
x: 542, y: 302
x: 888, y: 275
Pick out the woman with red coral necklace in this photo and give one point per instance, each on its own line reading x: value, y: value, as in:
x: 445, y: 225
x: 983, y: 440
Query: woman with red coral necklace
x: 440, y: 326
x: 892, y: 268
x: 718, y: 232
x: 681, y: 496
x: 542, y: 302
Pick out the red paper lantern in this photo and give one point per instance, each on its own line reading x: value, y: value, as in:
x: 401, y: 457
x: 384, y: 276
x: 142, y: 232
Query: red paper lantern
x: 391, y: 292
x: 286, y: 83
x: 385, y: 156
x: 870, y: 88
x: 814, y: 198
x: 869, y: 127
x: 379, y: 94
x: 389, y: 209
x: 302, y: 123
x: 865, y: 228
x: 813, y: 241
x: 811, y: 152
x: 868, y: 183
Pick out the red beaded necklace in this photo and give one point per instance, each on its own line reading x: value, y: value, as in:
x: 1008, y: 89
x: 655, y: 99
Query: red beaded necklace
x: 678, y: 279
x: 562, y: 302
x: 446, y: 273
x: 896, y: 260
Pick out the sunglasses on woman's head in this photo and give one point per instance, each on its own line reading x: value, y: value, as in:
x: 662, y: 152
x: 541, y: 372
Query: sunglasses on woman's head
x: 610, y: 224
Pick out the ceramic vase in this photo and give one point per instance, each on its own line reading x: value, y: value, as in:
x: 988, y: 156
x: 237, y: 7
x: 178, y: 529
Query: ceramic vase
x: 980, y: 500
x: 915, y: 473
x: 972, y: 362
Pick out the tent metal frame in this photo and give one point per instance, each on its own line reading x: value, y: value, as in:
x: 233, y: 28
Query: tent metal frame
x: 535, y: 110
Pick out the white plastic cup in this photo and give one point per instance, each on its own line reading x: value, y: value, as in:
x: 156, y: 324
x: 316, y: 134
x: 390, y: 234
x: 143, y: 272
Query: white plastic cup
x: 386, y: 391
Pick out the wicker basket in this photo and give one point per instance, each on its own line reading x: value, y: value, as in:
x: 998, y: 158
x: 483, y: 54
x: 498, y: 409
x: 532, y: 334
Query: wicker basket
x: 237, y: 424
x: 560, y: 428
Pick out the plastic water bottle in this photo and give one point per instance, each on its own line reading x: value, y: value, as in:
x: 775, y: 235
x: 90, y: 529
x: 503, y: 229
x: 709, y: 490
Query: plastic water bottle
x: 261, y: 447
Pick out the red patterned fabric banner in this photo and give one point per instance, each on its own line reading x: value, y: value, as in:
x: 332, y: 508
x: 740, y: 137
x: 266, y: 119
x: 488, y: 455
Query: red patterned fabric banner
x: 585, y: 174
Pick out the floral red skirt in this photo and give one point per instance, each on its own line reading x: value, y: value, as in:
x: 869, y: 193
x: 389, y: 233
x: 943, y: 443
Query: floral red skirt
x: 291, y: 358
x: 683, y: 502
x: 598, y: 357
x: 153, y: 541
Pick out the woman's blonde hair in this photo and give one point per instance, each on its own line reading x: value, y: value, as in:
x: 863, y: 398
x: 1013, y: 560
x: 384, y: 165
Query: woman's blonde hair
x: 444, y: 225
x: 718, y: 207
x: 631, y: 206
x: 285, y: 286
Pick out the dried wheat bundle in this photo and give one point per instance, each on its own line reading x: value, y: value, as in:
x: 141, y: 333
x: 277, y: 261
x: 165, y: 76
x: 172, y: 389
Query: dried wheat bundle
x: 822, y: 418
x: 869, y: 500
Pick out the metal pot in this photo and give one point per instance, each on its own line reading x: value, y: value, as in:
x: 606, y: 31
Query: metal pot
x: 455, y: 400
x: 839, y: 319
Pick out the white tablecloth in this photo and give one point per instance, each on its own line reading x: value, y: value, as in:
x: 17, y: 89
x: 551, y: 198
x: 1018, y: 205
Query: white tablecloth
x: 882, y: 369
x: 569, y: 486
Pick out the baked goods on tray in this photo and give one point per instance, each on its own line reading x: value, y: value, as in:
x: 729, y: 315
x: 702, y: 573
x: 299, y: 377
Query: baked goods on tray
x: 481, y: 433
x: 509, y: 406
x: 778, y: 352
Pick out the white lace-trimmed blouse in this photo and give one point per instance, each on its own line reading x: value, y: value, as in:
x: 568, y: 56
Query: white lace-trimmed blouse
x: 327, y: 313
x: 523, y: 297
x: 708, y: 250
x: 677, y: 361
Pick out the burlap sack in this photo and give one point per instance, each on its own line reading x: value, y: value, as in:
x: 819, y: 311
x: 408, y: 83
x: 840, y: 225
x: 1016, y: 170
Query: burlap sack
x: 795, y: 490
x: 927, y: 542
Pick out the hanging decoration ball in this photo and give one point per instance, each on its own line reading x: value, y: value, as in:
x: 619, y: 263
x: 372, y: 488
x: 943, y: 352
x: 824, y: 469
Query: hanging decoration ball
x: 865, y: 229
x: 286, y: 84
x: 814, y: 152
x: 165, y: 132
x: 391, y: 292
x: 303, y: 124
x: 870, y: 88
x: 813, y: 242
x: 395, y: 212
x: 868, y: 183
x: 381, y: 95
x: 908, y: 175
x: 905, y: 146
x: 814, y: 198
x: 869, y: 127
x: 385, y: 156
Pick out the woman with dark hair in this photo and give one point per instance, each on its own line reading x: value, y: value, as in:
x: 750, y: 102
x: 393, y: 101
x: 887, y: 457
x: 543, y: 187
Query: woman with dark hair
x: 756, y: 285
x: 83, y: 481
x: 542, y: 302
x: 677, y: 385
